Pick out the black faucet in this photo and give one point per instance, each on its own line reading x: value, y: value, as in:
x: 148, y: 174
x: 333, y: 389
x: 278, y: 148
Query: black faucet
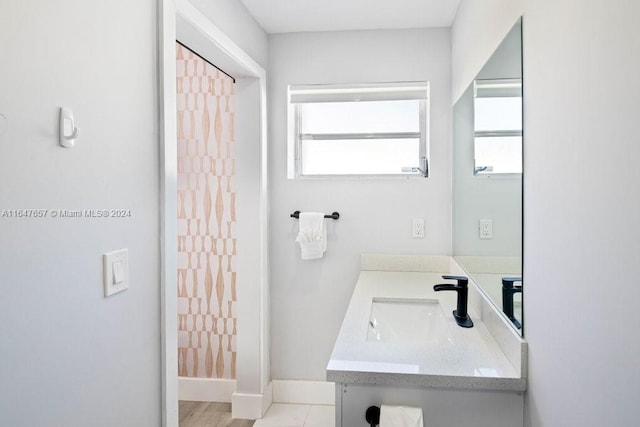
x: 462, y: 287
x: 508, y: 290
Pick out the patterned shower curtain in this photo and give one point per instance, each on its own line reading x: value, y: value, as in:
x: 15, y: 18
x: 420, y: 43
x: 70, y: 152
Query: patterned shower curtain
x: 206, y: 219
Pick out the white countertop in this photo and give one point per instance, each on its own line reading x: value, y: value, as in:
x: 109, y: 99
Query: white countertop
x: 469, y: 359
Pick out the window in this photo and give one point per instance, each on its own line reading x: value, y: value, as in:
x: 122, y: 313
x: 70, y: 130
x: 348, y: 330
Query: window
x: 498, y: 126
x: 358, y: 130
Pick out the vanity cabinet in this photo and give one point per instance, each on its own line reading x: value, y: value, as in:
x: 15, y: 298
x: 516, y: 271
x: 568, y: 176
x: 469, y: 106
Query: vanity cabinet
x: 411, y: 352
x: 441, y: 407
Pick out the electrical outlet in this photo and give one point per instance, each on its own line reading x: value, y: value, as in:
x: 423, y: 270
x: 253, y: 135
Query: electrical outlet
x: 418, y: 228
x: 486, y: 229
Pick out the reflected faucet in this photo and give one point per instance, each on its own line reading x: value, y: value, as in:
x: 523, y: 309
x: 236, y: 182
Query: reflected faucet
x: 462, y: 288
x: 508, y: 291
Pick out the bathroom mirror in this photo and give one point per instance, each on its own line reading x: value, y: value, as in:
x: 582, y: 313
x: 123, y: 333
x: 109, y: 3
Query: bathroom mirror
x: 487, y: 178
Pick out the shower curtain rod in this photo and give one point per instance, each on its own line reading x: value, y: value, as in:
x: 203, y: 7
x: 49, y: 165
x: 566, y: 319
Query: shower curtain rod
x: 206, y: 60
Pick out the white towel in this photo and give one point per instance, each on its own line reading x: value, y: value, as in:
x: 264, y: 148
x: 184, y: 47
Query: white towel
x: 400, y: 416
x: 312, y: 235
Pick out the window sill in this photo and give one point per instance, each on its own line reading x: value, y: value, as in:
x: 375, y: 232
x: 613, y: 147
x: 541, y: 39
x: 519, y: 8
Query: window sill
x: 498, y: 175
x: 359, y: 177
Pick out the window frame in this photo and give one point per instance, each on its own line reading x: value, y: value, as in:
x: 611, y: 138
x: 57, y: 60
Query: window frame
x: 348, y: 93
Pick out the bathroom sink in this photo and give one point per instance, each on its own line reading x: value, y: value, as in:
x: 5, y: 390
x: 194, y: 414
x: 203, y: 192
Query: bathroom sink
x: 407, y: 320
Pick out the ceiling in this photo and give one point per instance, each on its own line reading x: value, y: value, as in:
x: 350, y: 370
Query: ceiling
x: 284, y: 16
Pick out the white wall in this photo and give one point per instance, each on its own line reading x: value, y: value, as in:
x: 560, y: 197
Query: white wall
x: 70, y: 356
x: 309, y: 298
x: 582, y: 241
x: 233, y: 18
x: 478, y: 29
x: 248, y: 229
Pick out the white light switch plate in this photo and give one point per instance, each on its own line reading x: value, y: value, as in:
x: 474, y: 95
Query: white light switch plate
x: 116, y: 271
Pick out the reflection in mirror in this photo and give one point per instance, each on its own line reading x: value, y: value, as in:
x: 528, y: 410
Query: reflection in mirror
x: 497, y: 124
x: 487, y: 178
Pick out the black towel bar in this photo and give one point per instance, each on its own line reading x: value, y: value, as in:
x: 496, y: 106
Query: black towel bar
x: 334, y: 215
x: 372, y: 415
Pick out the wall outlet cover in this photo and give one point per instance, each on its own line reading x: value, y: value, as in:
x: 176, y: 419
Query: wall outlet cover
x: 417, y: 230
x: 486, y: 229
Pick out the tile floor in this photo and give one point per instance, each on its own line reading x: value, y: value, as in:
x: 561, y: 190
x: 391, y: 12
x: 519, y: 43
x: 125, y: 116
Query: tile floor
x: 290, y: 415
x: 199, y: 414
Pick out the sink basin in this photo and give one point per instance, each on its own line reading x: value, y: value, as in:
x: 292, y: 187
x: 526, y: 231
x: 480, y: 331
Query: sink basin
x: 407, y: 320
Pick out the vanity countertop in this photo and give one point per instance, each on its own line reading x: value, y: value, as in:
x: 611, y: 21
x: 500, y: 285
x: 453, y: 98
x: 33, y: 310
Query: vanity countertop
x: 469, y: 358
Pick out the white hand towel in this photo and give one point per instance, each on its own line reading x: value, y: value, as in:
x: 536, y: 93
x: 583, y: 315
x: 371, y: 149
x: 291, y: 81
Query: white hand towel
x: 312, y: 235
x: 400, y: 416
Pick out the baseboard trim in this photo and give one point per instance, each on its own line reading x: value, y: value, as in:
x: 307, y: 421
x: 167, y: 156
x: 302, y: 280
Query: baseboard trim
x: 254, y: 406
x: 304, y: 392
x: 251, y: 406
x: 206, y: 389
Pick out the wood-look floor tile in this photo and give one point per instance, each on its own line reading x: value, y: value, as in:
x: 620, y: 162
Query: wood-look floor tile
x: 208, y: 414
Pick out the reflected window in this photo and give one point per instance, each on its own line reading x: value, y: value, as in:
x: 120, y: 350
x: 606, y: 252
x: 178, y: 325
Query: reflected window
x: 498, y: 126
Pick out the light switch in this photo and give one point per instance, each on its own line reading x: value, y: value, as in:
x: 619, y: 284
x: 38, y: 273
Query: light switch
x: 116, y: 271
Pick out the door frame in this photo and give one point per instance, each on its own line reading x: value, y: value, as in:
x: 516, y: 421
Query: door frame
x: 179, y: 19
